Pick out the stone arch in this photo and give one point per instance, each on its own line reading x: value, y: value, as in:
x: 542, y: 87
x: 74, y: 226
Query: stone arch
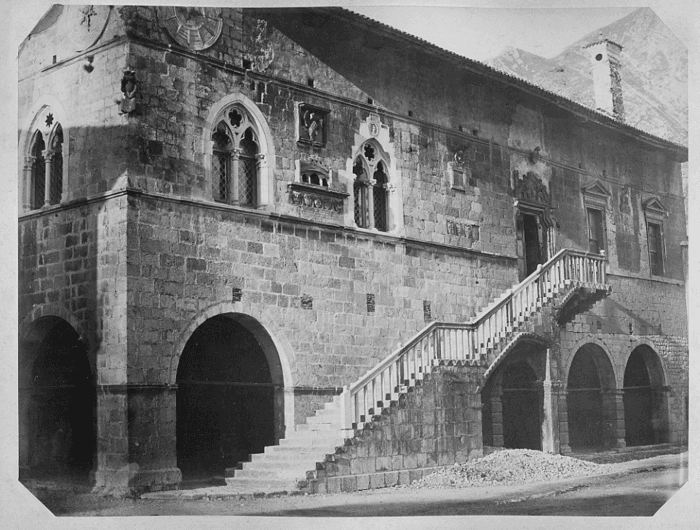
x: 591, y: 398
x: 266, y: 153
x: 645, y: 396
x: 512, y: 395
x: 230, y: 394
x: 29, y: 335
x: 57, y: 399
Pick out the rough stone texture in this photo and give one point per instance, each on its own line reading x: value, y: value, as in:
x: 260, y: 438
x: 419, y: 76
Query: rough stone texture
x: 138, y: 254
x: 438, y: 423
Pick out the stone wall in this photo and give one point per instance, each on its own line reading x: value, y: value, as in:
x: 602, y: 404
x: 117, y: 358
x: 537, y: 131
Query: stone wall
x: 436, y: 424
x: 307, y: 284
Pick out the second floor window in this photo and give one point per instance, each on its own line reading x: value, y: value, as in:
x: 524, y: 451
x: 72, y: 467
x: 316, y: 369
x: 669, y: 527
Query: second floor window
x: 596, y: 234
x: 46, y: 169
x: 370, y: 190
x: 235, y: 160
x: 655, y: 242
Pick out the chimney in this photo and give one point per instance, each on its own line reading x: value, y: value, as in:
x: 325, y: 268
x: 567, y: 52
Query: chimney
x: 607, y: 83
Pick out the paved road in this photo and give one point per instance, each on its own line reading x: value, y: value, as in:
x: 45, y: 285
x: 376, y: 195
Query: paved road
x: 640, y: 488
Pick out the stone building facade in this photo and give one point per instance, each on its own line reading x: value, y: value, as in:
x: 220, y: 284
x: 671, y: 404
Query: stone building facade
x: 229, y: 215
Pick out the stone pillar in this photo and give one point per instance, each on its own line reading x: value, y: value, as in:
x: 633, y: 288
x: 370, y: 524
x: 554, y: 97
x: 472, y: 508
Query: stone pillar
x: 548, y: 408
x: 613, y: 419
x: 564, y: 447
x: 47, y: 177
x: 370, y: 203
x: 233, y: 177
x: 497, y: 418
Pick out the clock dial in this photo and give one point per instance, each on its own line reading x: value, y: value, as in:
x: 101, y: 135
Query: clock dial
x: 87, y: 25
x: 196, y: 28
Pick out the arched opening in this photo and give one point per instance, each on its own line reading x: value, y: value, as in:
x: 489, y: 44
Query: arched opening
x: 521, y: 408
x: 590, y: 415
x: 512, y: 399
x: 229, y: 397
x: 644, y: 399
x: 60, y: 405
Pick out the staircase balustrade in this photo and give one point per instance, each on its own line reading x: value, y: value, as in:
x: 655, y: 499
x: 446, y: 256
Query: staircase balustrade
x: 469, y: 341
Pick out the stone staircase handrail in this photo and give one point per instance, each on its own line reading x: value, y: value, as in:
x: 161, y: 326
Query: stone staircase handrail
x: 467, y: 341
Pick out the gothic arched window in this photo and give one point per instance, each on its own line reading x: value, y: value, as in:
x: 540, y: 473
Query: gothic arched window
x: 371, y: 194
x: 44, y: 166
x: 236, y: 159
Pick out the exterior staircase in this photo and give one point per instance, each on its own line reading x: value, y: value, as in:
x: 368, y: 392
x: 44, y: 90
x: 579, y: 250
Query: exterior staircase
x: 281, y: 467
x: 569, y: 281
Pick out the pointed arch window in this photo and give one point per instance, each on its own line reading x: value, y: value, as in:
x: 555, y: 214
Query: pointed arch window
x: 44, y: 168
x: 236, y: 159
x: 371, y: 192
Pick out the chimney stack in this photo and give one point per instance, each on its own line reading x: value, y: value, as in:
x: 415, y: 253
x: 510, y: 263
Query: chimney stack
x: 607, y: 83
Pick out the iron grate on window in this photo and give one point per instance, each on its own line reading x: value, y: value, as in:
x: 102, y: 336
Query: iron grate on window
x: 39, y: 182
x: 246, y: 181
x: 56, y: 189
x: 219, y: 163
x: 380, y: 210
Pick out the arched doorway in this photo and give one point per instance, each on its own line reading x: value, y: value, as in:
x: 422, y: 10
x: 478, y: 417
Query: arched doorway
x: 60, y: 412
x: 589, y: 414
x: 512, y: 399
x: 644, y: 399
x: 522, y: 408
x: 228, y: 397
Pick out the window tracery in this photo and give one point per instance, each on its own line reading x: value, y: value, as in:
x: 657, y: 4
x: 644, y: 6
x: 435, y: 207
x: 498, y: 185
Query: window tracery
x: 370, y: 189
x: 44, y: 164
x: 236, y: 158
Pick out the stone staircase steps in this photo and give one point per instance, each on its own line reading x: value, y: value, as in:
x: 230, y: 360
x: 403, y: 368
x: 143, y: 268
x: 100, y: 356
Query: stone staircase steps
x: 281, y: 467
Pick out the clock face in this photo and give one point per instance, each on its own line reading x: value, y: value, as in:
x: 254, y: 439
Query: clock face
x: 196, y: 28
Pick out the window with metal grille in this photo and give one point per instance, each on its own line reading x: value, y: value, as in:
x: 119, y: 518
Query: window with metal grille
x: 38, y: 172
x: 56, y: 186
x: 234, y: 163
x: 596, y: 241
x: 655, y: 243
x: 360, y: 193
x: 380, y: 198
x: 247, y: 174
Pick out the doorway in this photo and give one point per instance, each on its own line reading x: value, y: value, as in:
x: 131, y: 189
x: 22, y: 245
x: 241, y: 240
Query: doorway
x: 61, y: 413
x: 521, y: 408
x: 532, y: 243
x: 225, y: 399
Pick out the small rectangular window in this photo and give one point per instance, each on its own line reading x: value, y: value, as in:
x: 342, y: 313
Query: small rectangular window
x: 655, y: 243
x: 596, y: 238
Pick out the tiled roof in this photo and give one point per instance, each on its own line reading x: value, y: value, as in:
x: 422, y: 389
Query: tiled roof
x: 506, y: 77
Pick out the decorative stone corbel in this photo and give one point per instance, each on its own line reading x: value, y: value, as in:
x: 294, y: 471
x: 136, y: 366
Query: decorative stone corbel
x: 129, y: 103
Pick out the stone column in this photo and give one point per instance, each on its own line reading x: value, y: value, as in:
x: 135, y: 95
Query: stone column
x: 233, y: 177
x: 370, y: 203
x: 27, y: 183
x: 48, y: 155
x: 564, y: 447
x: 550, y: 407
x: 613, y: 419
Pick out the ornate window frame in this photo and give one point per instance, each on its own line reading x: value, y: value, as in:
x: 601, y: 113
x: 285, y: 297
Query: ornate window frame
x: 596, y: 196
x: 655, y: 213
x: 376, y: 135
x: 251, y: 118
x: 47, y: 123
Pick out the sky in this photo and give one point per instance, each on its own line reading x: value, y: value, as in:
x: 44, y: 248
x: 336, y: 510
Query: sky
x: 478, y: 29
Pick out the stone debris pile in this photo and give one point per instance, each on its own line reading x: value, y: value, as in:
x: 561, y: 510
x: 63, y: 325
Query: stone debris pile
x: 511, y: 466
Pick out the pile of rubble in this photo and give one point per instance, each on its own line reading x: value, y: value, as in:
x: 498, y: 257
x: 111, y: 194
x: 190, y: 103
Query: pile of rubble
x: 511, y: 466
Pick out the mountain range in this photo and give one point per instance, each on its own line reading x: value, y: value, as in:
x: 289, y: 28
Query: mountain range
x: 654, y: 73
